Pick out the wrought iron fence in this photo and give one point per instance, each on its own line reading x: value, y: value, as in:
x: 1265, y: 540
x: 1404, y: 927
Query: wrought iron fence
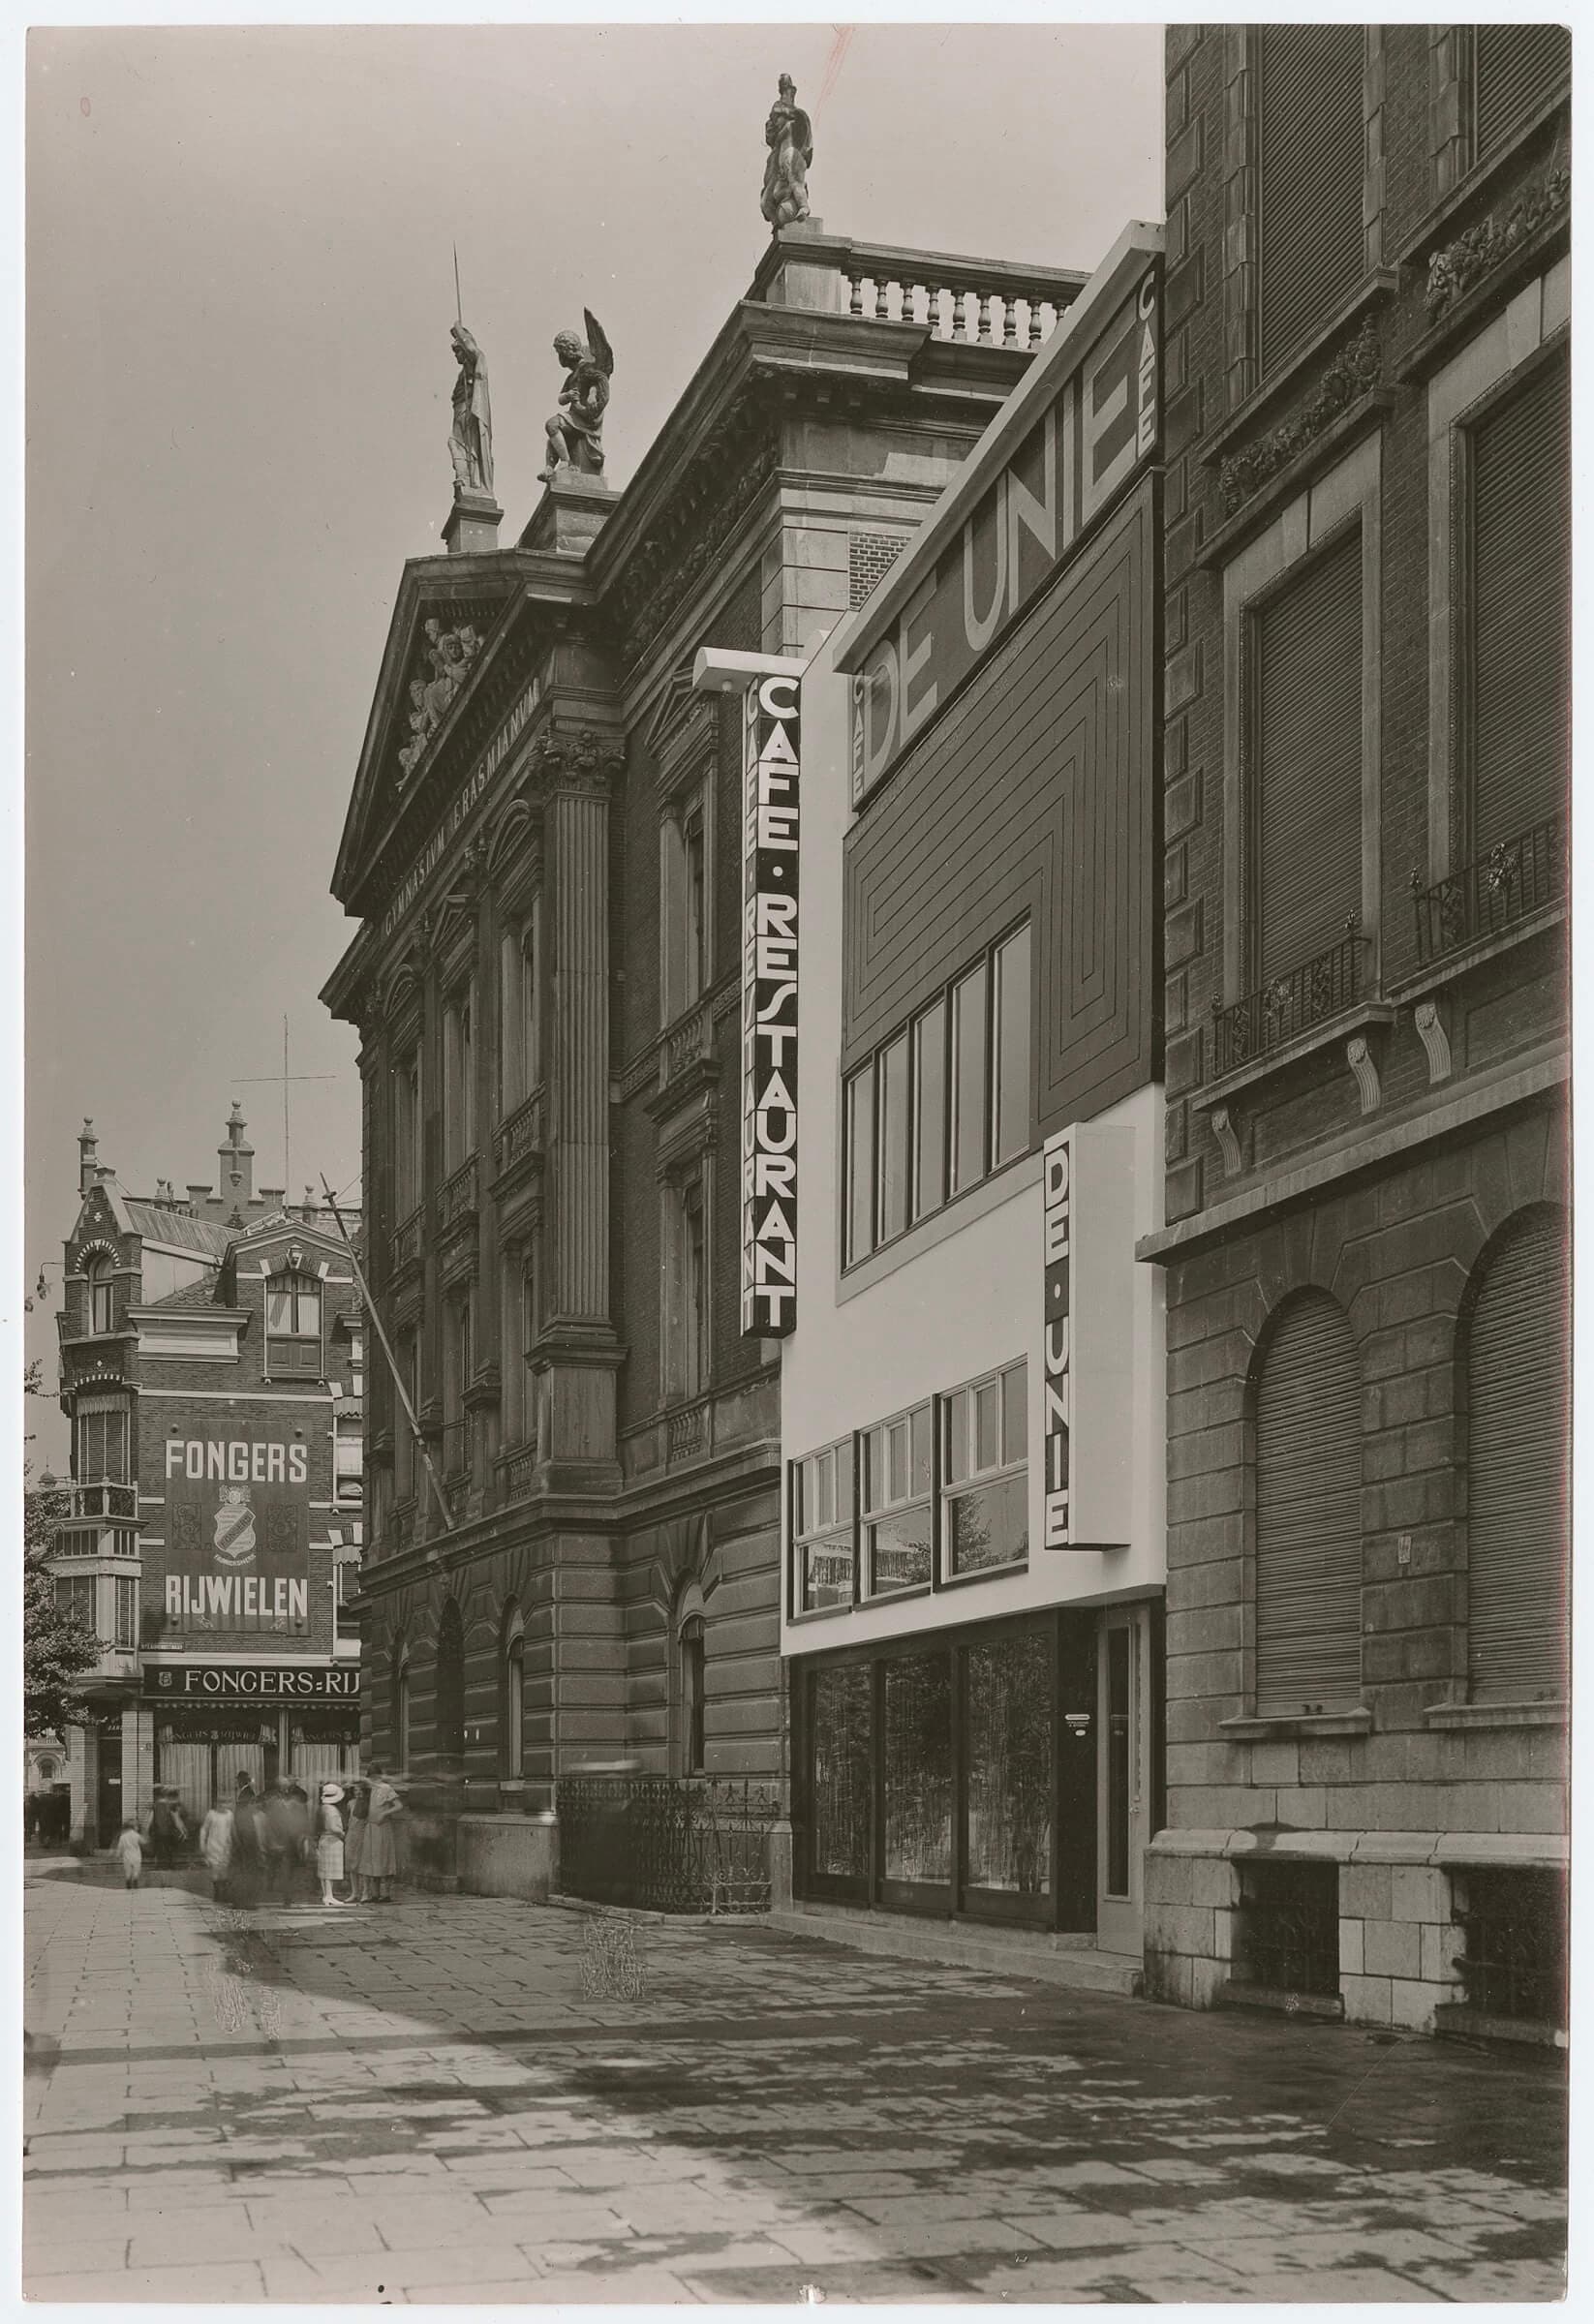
x: 1514, y: 1962
x: 1515, y: 880
x: 667, y: 1844
x: 1288, y: 1005
x: 1289, y: 1927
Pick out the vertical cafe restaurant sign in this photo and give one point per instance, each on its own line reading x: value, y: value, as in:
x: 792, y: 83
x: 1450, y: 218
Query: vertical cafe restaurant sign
x: 238, y: 1529
x: 772, y: 773
x: 1093, y: 435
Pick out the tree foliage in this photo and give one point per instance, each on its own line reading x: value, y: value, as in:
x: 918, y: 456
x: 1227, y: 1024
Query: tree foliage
x: 57, y: 1647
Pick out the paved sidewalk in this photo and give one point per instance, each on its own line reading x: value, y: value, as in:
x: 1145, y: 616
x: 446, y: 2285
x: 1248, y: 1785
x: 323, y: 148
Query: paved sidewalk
x: 423, y: 2104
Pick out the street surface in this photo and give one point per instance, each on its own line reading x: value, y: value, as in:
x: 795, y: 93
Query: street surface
x: 423, y: 2103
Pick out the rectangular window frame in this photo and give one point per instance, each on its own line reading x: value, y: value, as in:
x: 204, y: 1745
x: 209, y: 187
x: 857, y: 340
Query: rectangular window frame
x: 687, y: 932
x: 298, y: 1353
x: 876, y: 1508
x: 981, y: 1477
x: 833, y: 1509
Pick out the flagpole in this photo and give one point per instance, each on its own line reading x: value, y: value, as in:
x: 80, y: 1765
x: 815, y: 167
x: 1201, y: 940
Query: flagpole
x: 392, y: 1361
x: 459, y: 303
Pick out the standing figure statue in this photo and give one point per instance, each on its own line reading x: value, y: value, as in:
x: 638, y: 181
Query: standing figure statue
x: 575, y: 432
x: 789, y: 136
x: 471, y: 442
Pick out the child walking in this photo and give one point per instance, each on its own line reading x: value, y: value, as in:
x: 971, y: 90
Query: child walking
x: 131, y: 1851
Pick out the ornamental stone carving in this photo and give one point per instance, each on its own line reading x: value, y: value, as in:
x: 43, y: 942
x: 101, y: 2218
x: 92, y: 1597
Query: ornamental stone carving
x: 450, y: 653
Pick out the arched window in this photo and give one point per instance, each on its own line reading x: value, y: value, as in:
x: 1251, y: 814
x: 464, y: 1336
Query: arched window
x: 450, y: 1684
x: 101, y: 1297
x: 1308, y: 1513
x: 293, y: 1323
x: 692, y: 1648
x: 513, y: 1729
x: 1517, y: 1420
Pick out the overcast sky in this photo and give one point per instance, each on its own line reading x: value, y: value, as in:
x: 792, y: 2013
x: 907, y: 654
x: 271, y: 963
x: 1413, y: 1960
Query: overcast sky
x: 239, y: 286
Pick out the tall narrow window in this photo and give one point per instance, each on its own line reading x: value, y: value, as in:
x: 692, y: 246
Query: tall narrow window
x: 515, y: 1699
x: 892, y: 1132
x: 102, y: 1295
x: 895, y: 1483
x: 694, y: 1645
x: 696, y: 903
x: 103, y: 1446
x: 1520, y: 662
x: 1308, y: 1513
x: 407, y: 1135
x: 695, y: 1259
x: 458, y: 1080
x: 1010, y: 1090
x: 127, y: 1613
x: 969, y: 1100
x: 293, y: 1325
x: 518, y: 1061
x: 1310, y: 158
x: 518, y: 1325
x: 401, y: 1709
x: 1308, y: 676
x: 860, y: 1163
x: 686, y: 902
x: 1518, y: 1363
x: 403, y: 1442
x: 685, y: 1267
x: 450, y: 1699
x: 930, y: 1111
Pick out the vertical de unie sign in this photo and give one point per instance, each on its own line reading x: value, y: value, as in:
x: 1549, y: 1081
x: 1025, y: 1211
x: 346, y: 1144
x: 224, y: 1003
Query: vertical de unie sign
x: 771, y: 782
x: 1056, y: 1401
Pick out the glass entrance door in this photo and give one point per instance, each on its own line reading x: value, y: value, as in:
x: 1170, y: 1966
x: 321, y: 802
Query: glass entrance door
x: 108, y: 1800
x: 1123, y: 1755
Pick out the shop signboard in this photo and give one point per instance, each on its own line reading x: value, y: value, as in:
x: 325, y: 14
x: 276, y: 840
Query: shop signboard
x: 772, y: 775
x: 1096, y: 432
x: 237, y: 1528
x: 1088, y: 1310
x: 252, y: 1682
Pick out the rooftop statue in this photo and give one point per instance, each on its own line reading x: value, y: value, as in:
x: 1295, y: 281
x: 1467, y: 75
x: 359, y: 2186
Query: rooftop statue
x: 471, y: 442
x: 788, y: 133
x: 575, y: 432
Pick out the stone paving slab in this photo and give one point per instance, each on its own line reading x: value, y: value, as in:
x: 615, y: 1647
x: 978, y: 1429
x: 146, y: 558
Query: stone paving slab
x: 423, y: 2105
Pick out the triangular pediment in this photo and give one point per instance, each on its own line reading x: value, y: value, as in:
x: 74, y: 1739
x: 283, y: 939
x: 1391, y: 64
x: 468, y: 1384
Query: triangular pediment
x: 445, y: 619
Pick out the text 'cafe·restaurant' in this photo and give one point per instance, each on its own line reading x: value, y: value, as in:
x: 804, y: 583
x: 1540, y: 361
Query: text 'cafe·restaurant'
x: 971, y: 1385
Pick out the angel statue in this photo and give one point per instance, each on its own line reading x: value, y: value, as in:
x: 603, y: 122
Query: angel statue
x: 788, y: 133
x: 575, y: 432
x: 471, y: 441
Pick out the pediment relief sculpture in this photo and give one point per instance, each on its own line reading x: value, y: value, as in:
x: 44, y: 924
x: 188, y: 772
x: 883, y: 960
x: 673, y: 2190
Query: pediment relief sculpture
x: 448, y: 656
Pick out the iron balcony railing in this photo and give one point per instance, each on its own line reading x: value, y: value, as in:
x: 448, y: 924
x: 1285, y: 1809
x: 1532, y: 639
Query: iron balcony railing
x: 1288, y: 1005
x: 667, y: 1844
x: 1509, y: 883
x: 98, y: 1504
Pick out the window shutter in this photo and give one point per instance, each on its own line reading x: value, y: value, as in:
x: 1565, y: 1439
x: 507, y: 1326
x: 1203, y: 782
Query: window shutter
x: 1310, y: 154
x: 1515, y: 69
x: 1308, y: 1515
x: 1309, y: 823
x: 1521, y: 608
x: 1517, y: 1469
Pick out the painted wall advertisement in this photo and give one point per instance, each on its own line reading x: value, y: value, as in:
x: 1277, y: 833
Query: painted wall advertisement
x: 769, y: 1007
x: 238, y: 1529
x: 1093, y: 437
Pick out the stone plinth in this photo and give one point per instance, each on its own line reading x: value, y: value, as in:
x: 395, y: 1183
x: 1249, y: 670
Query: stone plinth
x: 572, y: 512
x: 470, y: 528
x: 508, y: 1855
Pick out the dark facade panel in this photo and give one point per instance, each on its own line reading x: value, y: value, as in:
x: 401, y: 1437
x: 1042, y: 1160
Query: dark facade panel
x: 1035, y: 792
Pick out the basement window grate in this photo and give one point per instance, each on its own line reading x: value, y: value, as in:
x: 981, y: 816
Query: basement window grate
x: 1512, y: 1961
x: 1289, y: 1927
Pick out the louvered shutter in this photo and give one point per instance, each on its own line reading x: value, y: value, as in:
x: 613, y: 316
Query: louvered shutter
x: 1308, y: 737
x: 1517, y: 1469
x: 1515, y: 69
x: 1521, y: 608
x: 1308, y: 1515
x: 1309, y: 166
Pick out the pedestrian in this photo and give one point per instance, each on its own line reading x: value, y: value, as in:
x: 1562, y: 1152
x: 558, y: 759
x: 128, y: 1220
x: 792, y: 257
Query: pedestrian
x: 216, y: 1847
x: 286, y: 1827
x: 247, y: 1870
x: 353, y: 1842
x: 167, y: 1832
x: 380, y: 1838
x: 130, y: 1851
x: 329, y: 1849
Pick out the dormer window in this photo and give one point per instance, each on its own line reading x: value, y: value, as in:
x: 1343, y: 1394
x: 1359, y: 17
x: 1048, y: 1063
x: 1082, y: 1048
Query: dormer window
x: 101, y: 1311
x: 293, y: 1325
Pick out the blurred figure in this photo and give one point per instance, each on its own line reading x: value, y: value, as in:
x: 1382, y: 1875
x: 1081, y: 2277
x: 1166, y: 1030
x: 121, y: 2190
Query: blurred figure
x: 287, y: 1829
x: 247, y: 1872
x: 167, y: 1831
x: 380, y: 1838
x: 353, y: 1843
x: 216, y: 1847
x: 329, y: 1844
x: 130, y: 1852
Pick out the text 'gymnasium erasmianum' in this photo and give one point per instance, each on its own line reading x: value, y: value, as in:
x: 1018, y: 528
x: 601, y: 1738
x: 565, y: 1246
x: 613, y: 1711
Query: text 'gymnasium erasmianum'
x: 963, y: 1022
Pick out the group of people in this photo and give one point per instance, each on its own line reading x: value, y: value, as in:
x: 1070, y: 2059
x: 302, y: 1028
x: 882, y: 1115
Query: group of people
x: 254, y: 1850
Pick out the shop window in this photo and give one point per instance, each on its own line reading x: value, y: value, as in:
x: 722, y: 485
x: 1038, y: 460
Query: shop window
x: 1308, y: 1513
x: 294, y: 1325
x: 1008, y: 1713
x: 685, y: 902
x: 896, y: 1503
x: 519, y: 1058
x: 822, y: 1544
x: 1518, y: 1365
x: 985, y: 1523
x: 841, y: 1776
x: 1516, y: 68
x: 917, y: 1790
x: 458, y: 1080
x: 407, y: 1122
x: 101, y: 1297
x: 684, y: 1228
x: 943, y: 1101
x: 1310, y: 158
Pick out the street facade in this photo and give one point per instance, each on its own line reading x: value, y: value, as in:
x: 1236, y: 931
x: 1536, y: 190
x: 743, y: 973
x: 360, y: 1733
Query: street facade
x: 450, y: 2106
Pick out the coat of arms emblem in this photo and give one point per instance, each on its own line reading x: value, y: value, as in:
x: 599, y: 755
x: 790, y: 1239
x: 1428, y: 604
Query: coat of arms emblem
x: 235, y: 1528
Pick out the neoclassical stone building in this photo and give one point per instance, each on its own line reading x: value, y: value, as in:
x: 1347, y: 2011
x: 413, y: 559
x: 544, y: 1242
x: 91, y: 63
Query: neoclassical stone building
x: 1365, y: 1248
x: 543, y: 855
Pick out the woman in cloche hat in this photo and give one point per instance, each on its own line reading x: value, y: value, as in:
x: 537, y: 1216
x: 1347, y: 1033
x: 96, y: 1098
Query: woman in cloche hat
x: 329, y: 1842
